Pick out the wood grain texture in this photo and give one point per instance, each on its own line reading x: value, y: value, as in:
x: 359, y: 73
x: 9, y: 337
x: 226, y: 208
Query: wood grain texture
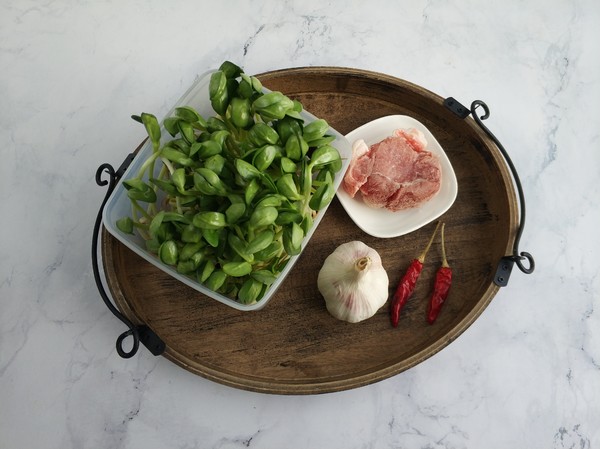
x: 293, y: 345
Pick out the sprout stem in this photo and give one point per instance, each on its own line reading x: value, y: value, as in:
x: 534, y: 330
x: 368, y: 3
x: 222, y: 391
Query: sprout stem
x: 140, y: 209
x: 147, y: 163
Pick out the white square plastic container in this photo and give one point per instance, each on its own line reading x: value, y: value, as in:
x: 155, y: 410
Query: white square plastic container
x: 119, y: 205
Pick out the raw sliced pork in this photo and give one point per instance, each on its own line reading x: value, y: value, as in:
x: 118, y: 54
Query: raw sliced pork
x: 397, y: 173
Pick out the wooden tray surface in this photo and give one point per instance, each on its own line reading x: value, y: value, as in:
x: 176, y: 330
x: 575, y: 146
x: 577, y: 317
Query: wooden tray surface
x: 293, y: 345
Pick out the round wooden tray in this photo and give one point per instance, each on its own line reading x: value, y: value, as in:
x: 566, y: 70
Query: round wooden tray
x: 293, y: 345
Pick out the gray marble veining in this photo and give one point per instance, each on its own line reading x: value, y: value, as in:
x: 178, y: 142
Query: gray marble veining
x: 525, y: 374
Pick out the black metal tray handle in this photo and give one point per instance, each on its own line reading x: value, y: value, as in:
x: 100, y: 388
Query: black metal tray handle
x: 506, y: 263
x: 139, y: 333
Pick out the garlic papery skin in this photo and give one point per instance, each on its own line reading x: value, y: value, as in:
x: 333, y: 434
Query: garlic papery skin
x: 353, y: 282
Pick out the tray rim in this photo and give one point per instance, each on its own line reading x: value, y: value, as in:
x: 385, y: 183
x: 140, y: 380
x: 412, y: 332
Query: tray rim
x: 361, y: 379
x: 287, y: 387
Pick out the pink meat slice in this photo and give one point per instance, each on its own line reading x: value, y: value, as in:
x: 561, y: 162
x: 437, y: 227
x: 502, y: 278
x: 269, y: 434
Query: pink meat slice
x: 397, y: 173
x: 359, y: 169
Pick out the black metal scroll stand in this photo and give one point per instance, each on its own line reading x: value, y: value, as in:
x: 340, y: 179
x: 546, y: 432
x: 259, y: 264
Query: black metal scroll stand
x: 506, y: 263
x: 139, y: 333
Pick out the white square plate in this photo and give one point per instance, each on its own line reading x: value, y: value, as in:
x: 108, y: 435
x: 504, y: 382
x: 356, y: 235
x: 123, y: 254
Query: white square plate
x: 382, y: 222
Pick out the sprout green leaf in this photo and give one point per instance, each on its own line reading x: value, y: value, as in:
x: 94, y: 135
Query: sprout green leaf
x: 227, y: 199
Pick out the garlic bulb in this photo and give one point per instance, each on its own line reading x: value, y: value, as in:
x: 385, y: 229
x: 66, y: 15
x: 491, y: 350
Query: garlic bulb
x: 353, y: 282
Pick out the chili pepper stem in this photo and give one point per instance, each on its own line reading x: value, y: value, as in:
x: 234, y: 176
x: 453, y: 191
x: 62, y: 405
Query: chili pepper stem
x: 444, y: 260
x: 421, y: 258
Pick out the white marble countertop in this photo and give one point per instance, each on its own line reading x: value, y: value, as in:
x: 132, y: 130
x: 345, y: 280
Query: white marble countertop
x: 525, y: 374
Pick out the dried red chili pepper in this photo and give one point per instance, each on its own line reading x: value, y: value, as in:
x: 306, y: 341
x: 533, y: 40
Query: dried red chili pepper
x: 407, y: 283
x: 441, y: 287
